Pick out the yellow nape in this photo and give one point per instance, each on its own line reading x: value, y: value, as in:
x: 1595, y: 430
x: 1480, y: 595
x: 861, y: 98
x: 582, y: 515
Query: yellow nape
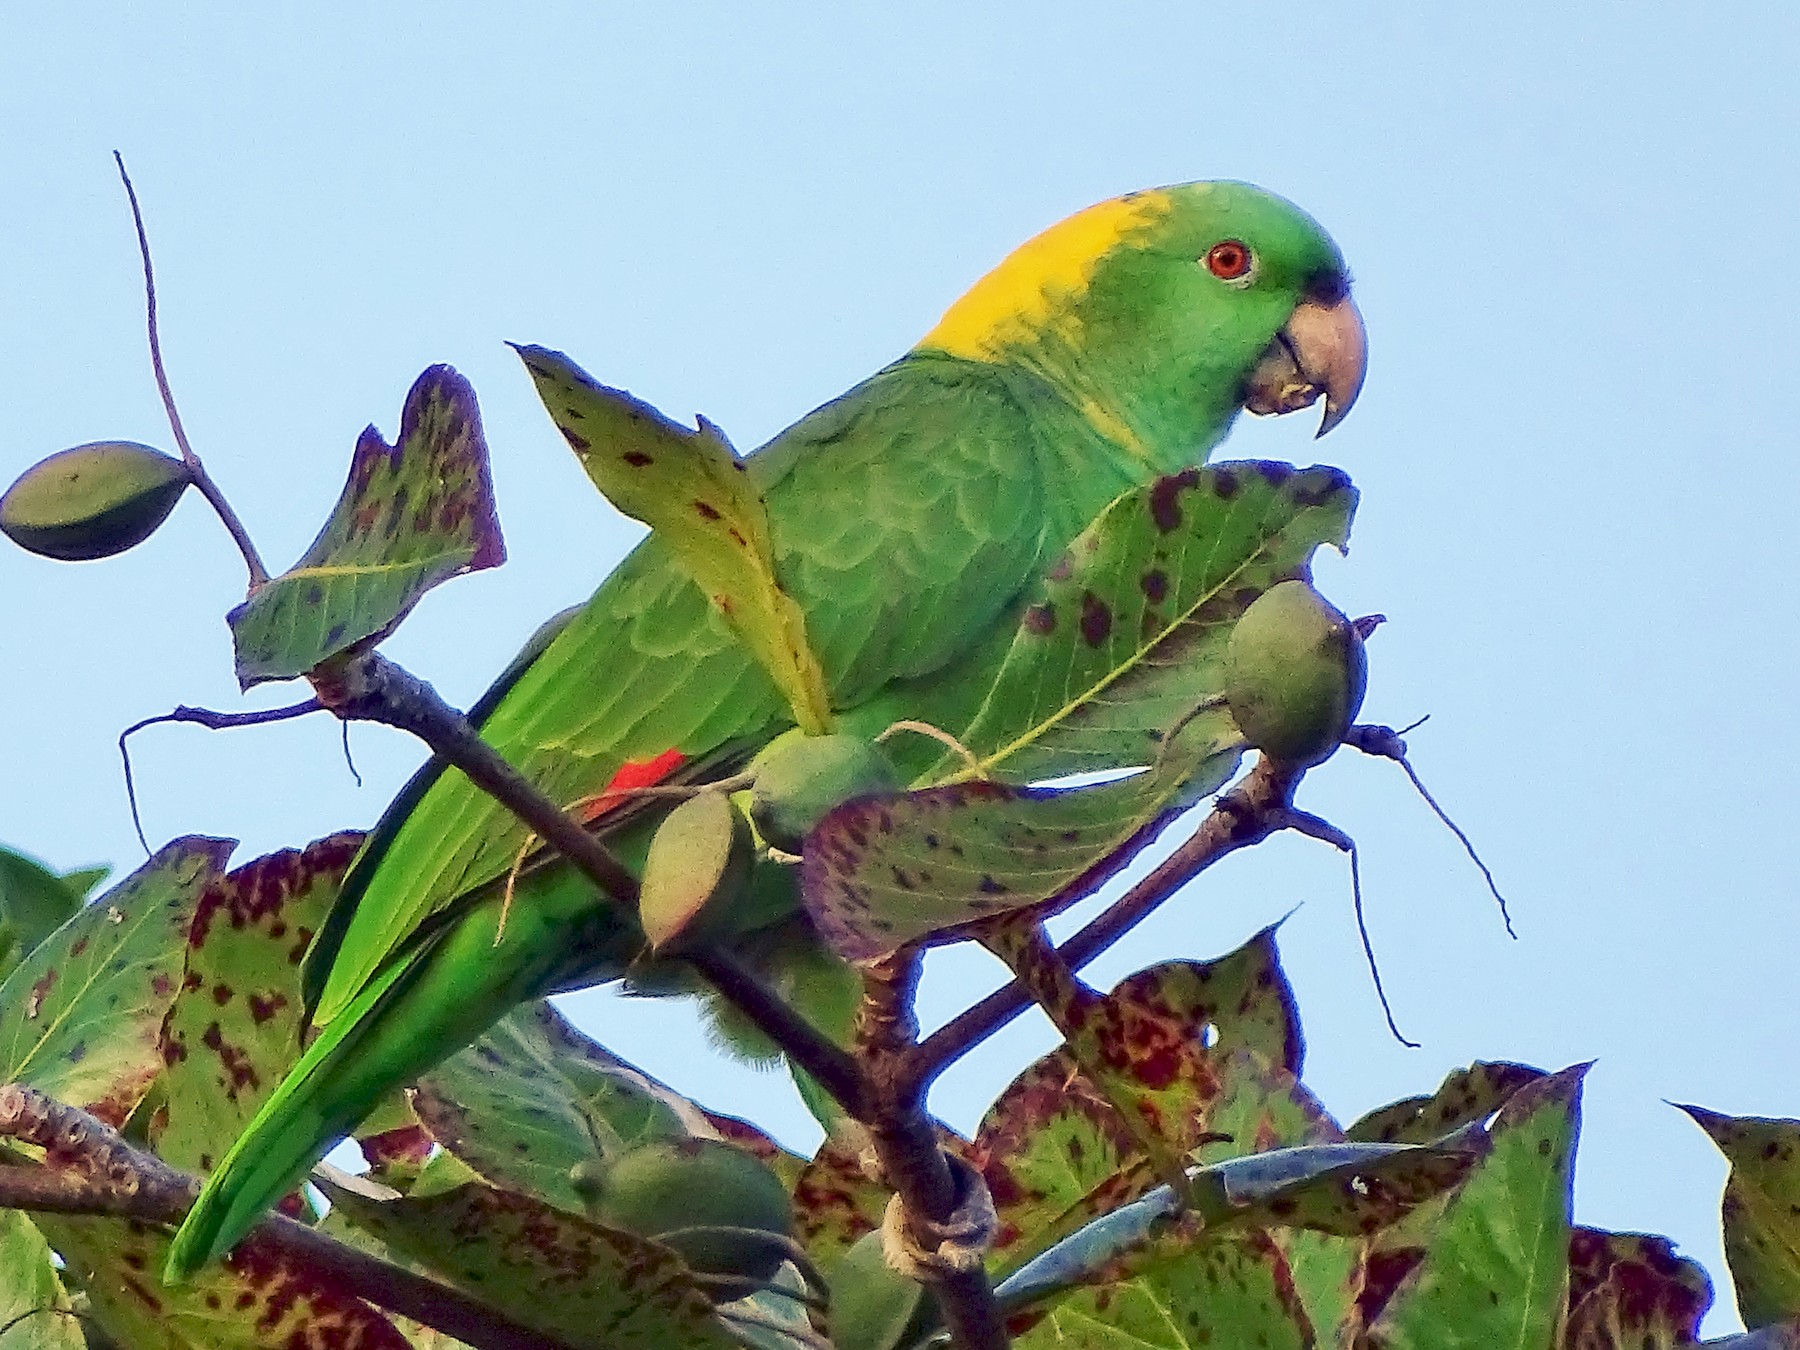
x: 1040, y: 279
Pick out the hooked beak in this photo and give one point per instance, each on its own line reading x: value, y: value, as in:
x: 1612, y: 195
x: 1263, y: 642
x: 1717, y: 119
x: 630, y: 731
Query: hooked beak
x: 1322, y: 351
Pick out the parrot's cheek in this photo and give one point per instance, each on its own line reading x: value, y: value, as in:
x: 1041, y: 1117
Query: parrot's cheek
x: 1321, y: 352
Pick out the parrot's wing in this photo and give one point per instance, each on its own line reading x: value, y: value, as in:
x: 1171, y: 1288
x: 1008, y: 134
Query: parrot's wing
x: 904, y: 518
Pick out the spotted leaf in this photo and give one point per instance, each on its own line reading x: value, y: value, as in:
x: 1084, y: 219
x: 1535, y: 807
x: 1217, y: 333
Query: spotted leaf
x: 535, y: 1096
x: 690, y: 487
x: 1761, y: 1211
x: 411, y: 515
x: 236, y: 1027
x: 1127, y: 634
x: 574, y: 1280
x: 80, y: 1016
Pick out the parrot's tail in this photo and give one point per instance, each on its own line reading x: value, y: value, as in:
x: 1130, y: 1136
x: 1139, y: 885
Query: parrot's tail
x: 423, y: 1007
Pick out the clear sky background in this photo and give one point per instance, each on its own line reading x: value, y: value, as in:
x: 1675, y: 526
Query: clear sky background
x: 1573, y: 234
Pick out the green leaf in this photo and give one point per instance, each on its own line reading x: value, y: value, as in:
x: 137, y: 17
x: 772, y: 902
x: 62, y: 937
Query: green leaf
x: 585, y: 1285
x: 1127, y: 635
x: 880, y: 872
x: 80, y: 1016
x: 33, y: 1305
x: 1629, y: 1291
x: 409, y: 517
x: 690, y: 487
x: 1340, y: 1190
x: 1761, y: 1211
x: 1495, y: 1271
x: 236, y: 1027
x: 535, y: 1096
x: 258, y: 1300
x: 1235, y: 1290
x: 1465, y: 1095
x: 34, y: 901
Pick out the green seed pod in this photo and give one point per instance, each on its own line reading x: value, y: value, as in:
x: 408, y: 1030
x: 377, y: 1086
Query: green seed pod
x: 92, y: 501
x: 699, y: 861
x: 874, y: 1306
x: 799, y: 779
x: 701, y: 1186
x: 1295, y: 669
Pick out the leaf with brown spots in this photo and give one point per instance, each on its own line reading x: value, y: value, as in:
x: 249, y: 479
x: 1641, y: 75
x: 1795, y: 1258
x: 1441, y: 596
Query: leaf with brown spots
x: 1629, y: 1291
x: 1128, y: 635
x: 235, y: 1027
x: 1233, y: 1290
x: 535, y: 1096
x: 33, y: 1304
x: 80, y: 1016
x: 1494, y: 1270
x: 883, y: 871
x: 690, y: 487
x: 257, y: 1300
x: 563, y: 1275
x: 1761, y: 1211
x: 1240, y: 1001
x: 411, y: 515
x: 1340, y: 1190
x: 1193, y: 1037
x: 1465, y: 1095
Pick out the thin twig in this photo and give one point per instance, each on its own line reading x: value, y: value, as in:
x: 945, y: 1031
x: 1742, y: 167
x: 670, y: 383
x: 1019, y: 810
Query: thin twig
x: 1316, y: 827
x: 1246, y: 815
x: 202, y: 480
x: 212, y: 721
x: 98, y: 1172
x: 1383, y: 743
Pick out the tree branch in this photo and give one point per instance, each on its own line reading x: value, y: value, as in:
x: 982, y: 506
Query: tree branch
x: 906, y: 1144
x: 372, y: 688
x: 94, y: 1171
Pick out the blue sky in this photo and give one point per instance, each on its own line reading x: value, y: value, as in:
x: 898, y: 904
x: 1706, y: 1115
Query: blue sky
x: 1572, y: 229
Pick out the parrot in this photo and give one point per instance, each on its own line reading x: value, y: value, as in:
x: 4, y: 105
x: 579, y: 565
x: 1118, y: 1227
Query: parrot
x: 908, y: 518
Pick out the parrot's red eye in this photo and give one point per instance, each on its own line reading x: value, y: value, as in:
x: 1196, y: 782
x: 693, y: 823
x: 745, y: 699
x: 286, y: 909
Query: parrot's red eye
x: 1229, y: 260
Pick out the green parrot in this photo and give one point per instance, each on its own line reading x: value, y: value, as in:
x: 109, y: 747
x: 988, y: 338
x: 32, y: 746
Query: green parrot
x: 908, y: 519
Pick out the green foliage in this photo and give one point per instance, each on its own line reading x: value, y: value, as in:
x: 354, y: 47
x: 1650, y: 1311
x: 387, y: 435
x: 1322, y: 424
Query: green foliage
x: 411, y: 515
x: 581, y: 1199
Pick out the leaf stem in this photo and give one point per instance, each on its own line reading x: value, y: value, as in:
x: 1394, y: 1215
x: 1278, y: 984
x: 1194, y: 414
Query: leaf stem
x: 210, y: 490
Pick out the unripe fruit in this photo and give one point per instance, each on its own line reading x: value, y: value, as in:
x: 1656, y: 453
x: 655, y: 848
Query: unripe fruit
x: 1295, y: 670
x: 874, y: 1306
x: 92, y: 501
x: 699, y: 861
x: 800, y: 779
x: 703, y: 1185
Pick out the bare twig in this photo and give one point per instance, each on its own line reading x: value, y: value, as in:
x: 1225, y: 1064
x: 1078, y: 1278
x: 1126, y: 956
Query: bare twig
x: 212, y: 721
x: 1316, y: 827
x: 96, y: 1172
x: 372, y: 688
x: 202, y: 480
x: 1383, y: 743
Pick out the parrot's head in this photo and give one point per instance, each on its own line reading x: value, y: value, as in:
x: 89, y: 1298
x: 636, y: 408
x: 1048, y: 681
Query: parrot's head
x: 1166, y: 311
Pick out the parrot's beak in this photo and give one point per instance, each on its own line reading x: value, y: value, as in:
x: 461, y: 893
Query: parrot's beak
x: 1322, y: 351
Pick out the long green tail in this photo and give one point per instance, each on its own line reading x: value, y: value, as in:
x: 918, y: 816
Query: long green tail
x: 420, y: 1009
